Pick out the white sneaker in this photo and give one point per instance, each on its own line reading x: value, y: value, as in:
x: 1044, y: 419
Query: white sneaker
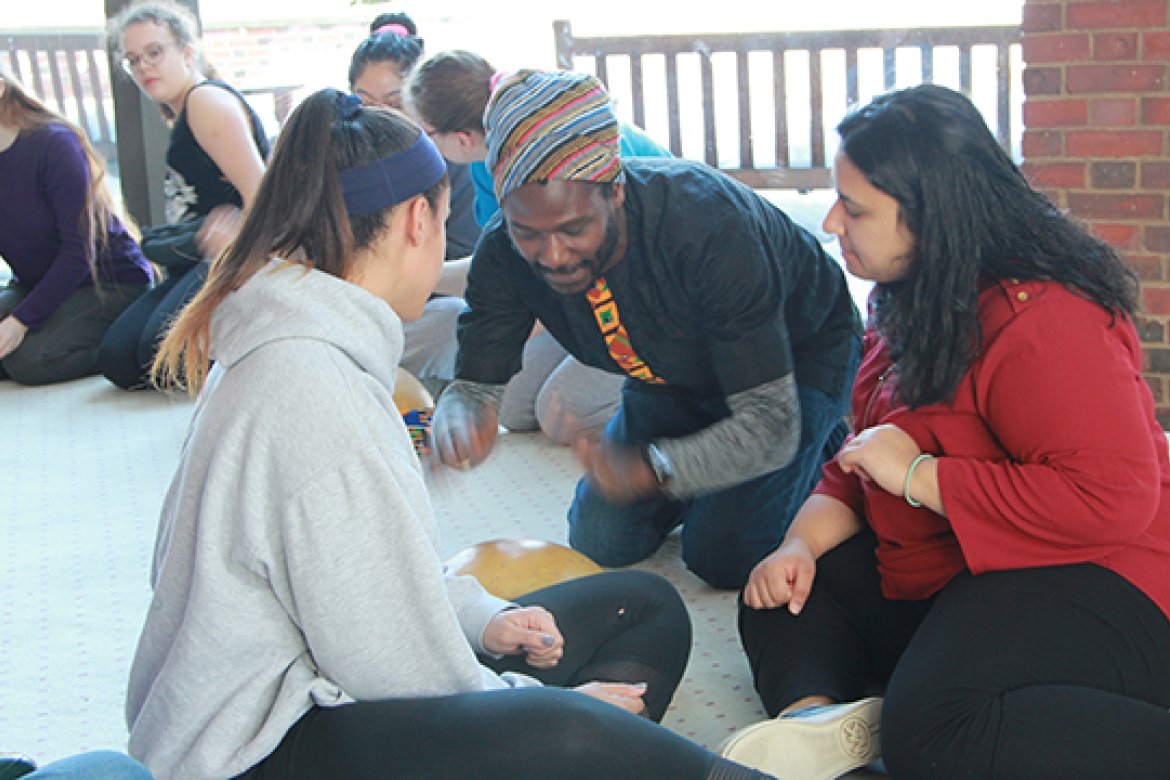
x: 814, y: 743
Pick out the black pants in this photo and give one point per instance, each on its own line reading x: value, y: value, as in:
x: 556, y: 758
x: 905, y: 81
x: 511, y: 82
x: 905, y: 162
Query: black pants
x: 65, y: 347
x: 1059, y: 672
x: 628, y: 626
x: 130, y: 344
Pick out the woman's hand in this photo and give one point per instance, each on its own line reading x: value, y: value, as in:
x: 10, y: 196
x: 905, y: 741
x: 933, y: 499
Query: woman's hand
x: 531, y: 631
x: 881, y: 454
x: 784, y: 577
x: 12, y: 332
x: 628, y: 696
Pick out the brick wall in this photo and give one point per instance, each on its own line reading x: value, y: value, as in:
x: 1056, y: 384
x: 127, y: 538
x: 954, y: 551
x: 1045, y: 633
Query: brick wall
x: 1097, y: 139
x: 316, y: 54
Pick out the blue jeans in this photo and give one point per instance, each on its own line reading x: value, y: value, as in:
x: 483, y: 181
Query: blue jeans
x: 726, y: 533
x: 98, y: 765
x: 129, y: 346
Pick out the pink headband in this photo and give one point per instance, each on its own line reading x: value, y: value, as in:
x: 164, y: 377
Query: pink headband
x: 395, y: 28
x: 496, y: 78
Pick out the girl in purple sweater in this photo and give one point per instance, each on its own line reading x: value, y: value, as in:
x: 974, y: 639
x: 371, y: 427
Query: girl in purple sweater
x: 74, y: 266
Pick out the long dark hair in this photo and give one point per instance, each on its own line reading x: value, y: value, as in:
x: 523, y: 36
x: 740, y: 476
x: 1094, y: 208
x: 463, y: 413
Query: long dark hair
x: 973, y: 216
x: 298, y: 214
x: 403, y: 50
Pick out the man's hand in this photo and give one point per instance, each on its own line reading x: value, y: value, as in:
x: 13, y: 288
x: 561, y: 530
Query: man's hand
x: 621, y: 474
x: 531, y: 631
x: 462, y: 433
x: 12, y: 333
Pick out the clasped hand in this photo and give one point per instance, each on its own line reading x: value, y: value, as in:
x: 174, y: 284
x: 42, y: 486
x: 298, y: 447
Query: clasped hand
x: 528, y: 631
x: 532, y: 632
x: 881, y: 454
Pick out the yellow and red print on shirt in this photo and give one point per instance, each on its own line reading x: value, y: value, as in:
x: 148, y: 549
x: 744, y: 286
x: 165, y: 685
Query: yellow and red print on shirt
x: 617, y: 340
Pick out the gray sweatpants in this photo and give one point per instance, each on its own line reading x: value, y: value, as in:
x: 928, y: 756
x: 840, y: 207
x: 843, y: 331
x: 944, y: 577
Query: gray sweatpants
x: 558, y: 394
x: 553, y: 391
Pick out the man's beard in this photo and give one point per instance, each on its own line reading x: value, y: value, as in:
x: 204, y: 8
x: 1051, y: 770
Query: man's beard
x: 595, y: 263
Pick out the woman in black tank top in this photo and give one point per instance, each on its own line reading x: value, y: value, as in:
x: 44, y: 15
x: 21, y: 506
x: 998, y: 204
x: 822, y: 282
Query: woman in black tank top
x: 215, y: 159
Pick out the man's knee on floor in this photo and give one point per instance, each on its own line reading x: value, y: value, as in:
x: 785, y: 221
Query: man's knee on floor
x: 603, y: 553
x: 725, y: 572
x: 603, y: 538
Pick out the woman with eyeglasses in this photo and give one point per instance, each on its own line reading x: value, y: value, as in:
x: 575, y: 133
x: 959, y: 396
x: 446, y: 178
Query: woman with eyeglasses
x: 215, y: 159
x: 74, y: 266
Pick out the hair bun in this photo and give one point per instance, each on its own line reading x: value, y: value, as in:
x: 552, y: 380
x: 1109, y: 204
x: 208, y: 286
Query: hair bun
x: 347, y: 105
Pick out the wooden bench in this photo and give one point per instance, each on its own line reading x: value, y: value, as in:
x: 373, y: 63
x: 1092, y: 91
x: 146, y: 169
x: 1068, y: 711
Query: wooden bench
x: 757, y: 104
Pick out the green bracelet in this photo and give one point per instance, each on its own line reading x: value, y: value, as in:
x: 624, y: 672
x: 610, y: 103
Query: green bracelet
x: 910, y: 474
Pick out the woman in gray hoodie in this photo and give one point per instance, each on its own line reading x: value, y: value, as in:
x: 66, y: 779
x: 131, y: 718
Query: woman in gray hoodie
x: 302, y: 623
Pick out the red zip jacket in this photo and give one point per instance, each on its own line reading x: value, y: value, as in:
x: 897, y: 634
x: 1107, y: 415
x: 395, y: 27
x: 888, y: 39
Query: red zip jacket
x: 1049, y: 454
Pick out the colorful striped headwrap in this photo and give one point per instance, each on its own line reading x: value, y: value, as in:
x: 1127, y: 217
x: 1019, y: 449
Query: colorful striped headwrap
x: 546, y: 125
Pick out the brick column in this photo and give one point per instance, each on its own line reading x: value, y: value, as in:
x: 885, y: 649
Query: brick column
x: 1097, y: 139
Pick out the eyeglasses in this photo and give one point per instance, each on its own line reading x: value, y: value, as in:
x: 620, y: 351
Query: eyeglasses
x: 151, y: 55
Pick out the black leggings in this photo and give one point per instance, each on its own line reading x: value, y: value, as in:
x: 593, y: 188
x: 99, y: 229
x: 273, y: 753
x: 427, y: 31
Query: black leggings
x: 628, y: 626
x: 129, y: 346
x: 1060, y: 672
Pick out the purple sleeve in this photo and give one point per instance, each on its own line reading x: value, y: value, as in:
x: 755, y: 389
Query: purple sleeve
x: 65, y: 172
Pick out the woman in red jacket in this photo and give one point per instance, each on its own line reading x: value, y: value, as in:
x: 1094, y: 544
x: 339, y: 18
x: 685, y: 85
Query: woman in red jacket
x: 992, y: 548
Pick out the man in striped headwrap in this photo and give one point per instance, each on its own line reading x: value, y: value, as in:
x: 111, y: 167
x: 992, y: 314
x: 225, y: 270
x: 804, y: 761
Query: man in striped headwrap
x: 736, y: 332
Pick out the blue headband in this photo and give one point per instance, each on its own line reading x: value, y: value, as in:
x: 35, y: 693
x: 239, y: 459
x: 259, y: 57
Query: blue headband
x: 394, y: 179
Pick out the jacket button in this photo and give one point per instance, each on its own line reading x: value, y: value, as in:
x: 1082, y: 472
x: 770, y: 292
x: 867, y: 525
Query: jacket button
x: 1021, y: 296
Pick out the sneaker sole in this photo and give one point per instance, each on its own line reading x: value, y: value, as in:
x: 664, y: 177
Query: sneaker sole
x: 796, y: 750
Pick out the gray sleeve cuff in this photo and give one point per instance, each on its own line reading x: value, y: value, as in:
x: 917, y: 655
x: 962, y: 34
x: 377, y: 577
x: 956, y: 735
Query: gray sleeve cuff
x: 477, y: 394
x: 761, y: 435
